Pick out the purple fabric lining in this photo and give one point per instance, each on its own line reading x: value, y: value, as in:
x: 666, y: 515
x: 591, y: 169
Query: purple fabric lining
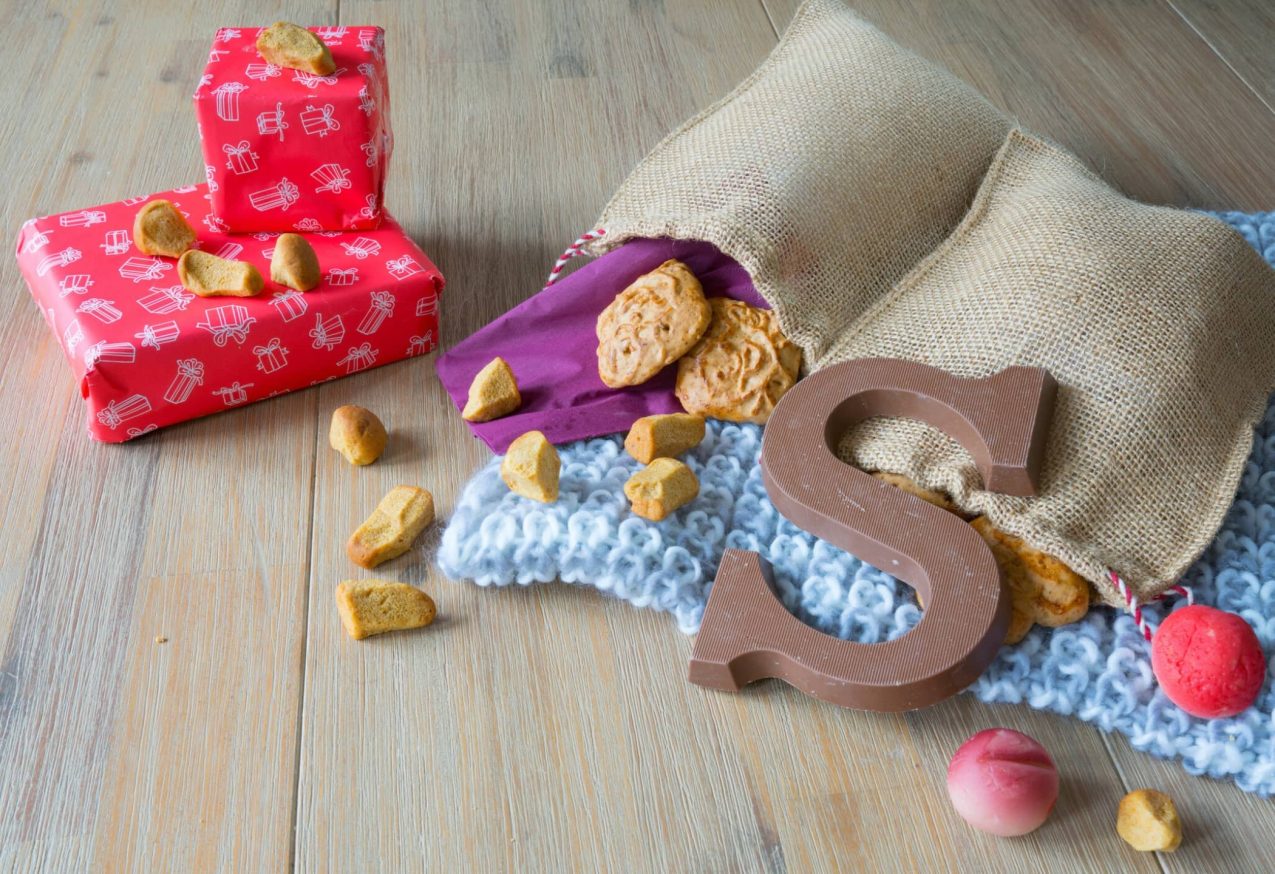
x: 551, y: 344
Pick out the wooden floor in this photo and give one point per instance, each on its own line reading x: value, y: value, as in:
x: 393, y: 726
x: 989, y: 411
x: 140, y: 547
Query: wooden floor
x: 543, y: 729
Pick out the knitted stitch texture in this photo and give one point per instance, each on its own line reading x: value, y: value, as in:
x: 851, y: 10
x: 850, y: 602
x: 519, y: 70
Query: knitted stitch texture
x: 1098, y: 670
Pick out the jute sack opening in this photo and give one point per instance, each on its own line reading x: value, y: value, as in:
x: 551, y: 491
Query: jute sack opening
x: 884, y: 208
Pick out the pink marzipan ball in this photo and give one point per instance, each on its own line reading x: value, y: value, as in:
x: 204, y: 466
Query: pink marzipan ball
x: 1209, y: 662
x: 1002, y: 782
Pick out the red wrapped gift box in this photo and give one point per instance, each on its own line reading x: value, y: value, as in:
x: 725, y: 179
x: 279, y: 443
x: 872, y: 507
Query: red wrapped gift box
x: 148, y: 353
x: 286, y: 150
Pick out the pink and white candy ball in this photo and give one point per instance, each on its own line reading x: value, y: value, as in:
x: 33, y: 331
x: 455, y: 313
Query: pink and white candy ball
x: 1003, y: 782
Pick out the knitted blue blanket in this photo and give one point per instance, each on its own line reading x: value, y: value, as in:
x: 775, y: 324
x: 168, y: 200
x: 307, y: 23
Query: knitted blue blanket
x: 1098, y: 670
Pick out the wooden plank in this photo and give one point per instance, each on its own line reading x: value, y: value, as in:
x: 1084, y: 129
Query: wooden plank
x: 117, y: 752
x: 1240, y: 31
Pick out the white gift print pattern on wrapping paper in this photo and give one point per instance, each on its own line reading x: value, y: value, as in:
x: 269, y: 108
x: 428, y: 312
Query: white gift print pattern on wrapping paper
x: 327, y: 333
x: 227, y: 323
x: 110, y: 353
x: 362, y: 247
x: 333, y: 178
x: 339, y: 276
x: 403, y: 267
x: 331, y: 36
x: 115, y: 243
x: 210, y: 176
x: 227, y: 96
x: 85, y: 218
x: 72, y: 336
x: 143, y: 269
x: 74, y: 283
x: 215, y: 224
x: 190, y: 373
x: 105, y: 311
x: 229, y: 251
x: 118, y: 412
x: 161, y: 301
x: 272, y: 122
x: 370, y: 208
x: 365, y: 99
x: 240, y: 158
x: 37, y: 241
x: 380, y: 307
x: 428, y: 305
x: 272, y: 356
x: 261, y: 72
x: 369, y: 151
x: 281, y: 196
x: 419, y: 345
x: 359, y: 358
x: 307, y: 224
x: 69, y: 255
x: 289, y: 304
x: 313, y: 81
x: 318, y: 120
x: 154, y: 336
x: 235, y: 393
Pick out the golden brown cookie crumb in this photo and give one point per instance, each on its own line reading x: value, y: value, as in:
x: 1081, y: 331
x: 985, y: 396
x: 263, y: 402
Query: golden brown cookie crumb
x: 493, y: 393
x: 1044, y: 591
x: 370, y: 607
x: 650, y: 324
x: 664, y: 436
x: 1148, y: 821
x: 209, y: 276
x: 294, y: 263
x: 660, y: 488
x: 395, y: 523
x: 159, y: 638
x: 287, y: 45
x: 159, y: 229
x: 531, y: 467
x: 740, y: 368
x: 357, y: 434
x: 900, y: 481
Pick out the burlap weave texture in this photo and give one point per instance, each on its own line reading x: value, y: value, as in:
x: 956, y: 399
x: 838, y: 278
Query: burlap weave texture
x: 883, y: 207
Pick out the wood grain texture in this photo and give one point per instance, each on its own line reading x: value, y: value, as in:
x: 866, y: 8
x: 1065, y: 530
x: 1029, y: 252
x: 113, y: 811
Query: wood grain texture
x: 1240, y: 31
x: 529, y: 729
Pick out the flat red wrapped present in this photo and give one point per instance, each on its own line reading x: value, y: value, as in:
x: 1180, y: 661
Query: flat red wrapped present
x: 286, y: 150
x: 148, y: 353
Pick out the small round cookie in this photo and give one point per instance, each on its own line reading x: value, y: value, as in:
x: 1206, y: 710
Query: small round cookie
x: 650, y: 324
x: 740, y: 368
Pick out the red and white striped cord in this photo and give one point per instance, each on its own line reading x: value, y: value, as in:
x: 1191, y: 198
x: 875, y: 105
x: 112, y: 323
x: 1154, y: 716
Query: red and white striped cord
x: 572, y: 251
x: 1135, y: 606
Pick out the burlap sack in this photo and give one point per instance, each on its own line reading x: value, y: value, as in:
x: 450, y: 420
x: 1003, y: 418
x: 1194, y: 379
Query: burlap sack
x: 884, y: 208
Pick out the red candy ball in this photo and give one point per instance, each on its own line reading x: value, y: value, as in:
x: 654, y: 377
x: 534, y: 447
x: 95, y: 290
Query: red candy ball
x: 1002, y: 782
x: 1208, y: 661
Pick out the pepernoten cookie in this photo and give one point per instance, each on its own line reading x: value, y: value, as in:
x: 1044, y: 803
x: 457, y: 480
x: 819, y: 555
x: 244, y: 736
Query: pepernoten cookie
x: 740, y: 368
x: 650, y: 324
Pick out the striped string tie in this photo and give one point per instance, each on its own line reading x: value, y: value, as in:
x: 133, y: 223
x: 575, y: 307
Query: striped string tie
x: 572, y: 251
x: 1134, y: 606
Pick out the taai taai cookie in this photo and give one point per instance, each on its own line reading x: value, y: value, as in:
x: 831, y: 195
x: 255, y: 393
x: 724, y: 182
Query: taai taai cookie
x: 651, y: 324
x: 740, y: 368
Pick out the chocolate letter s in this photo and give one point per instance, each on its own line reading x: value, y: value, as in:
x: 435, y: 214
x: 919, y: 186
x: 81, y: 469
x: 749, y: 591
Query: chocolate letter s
x: 747, y: 635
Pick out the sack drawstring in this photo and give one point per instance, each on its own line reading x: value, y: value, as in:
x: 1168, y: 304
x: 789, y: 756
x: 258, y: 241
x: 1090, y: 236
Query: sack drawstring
x: 572, y: 251
x: 1135, y: 607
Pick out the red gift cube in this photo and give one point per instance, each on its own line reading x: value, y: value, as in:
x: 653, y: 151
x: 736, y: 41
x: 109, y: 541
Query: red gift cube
x: 147, y: 353
x: 286, y: 150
